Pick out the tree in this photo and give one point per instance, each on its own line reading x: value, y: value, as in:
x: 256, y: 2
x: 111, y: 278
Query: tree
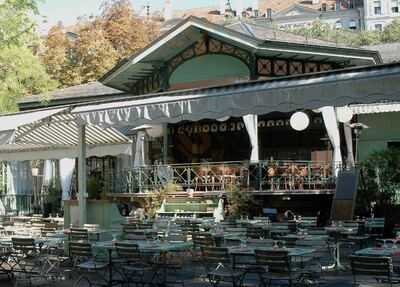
x: 21, y: 72
x: 16, y: 26
x: 94, y: 52
x: 99, y: 43
x: 319, y: 30
x: 380, y: 183
x: 391, y: 33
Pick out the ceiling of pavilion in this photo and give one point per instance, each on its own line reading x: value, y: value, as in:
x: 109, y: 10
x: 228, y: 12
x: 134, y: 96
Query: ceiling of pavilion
x: 150, y: 61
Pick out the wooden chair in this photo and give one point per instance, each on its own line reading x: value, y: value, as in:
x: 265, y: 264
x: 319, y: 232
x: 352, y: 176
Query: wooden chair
x: 133, y: 265
x: 255, y: 232
x: 379, y: 268
x: 79, y: 234
x: 219, y: 267
x: 24, y: 260
x: 86, y: 265
x: 202, y: 239
x: 275, y: 265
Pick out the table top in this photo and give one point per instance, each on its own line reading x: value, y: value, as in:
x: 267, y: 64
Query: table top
x: 379, y: 251
x: 304, y: 237
x: 7, y: 241
x: 293, y: 252
x: 340, y: 229
x: 148, y: 245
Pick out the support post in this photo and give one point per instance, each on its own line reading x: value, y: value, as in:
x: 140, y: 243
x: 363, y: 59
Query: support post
x: 82, y: 192
x: 165, y: 143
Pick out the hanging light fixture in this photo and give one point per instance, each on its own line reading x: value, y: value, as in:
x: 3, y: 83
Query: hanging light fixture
x: 155, y: 131
x: 299, y: 121
x: 224, y: 119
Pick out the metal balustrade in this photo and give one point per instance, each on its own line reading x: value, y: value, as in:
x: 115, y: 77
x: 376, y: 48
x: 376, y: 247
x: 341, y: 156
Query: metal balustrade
x: 264, y: 176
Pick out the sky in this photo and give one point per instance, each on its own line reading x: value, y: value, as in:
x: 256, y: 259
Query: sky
x: 67, y: 11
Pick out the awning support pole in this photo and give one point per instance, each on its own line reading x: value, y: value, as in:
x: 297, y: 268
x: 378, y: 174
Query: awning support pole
x: 165, y: 143
x: 82, y: 193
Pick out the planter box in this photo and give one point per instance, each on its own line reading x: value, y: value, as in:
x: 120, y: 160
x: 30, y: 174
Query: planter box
x: 103, y: 212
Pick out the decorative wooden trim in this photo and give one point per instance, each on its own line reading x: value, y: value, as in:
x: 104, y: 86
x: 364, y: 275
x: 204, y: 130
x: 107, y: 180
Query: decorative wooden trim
x: 209, y: 46
x: 274, y: 67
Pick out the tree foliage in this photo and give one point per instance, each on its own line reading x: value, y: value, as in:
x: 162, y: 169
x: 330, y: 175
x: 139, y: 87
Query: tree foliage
x: 21, y: 72
x: 241, y: 203
x: 380, y: 179
x: 16, y: 26
x: 325, y: 32
x: 97, y: 44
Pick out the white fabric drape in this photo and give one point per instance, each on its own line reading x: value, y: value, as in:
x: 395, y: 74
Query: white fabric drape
x: 251, y: 123
x: 349, y: 144
x: 219, y: 211
x: 19, y: 181
x: 67, y: 167
x: 332, y: 128
x: 6, y: 137
x: 140, y: 150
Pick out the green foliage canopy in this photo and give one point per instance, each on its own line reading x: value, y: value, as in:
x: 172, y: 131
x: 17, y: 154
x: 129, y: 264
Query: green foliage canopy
x: 380, y: 179
x: 21, y: 72
x: 325, y: 32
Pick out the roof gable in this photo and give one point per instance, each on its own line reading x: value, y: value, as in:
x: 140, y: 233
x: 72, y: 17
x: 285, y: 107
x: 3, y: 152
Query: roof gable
x: 148, y: 64
x: 297, y: 10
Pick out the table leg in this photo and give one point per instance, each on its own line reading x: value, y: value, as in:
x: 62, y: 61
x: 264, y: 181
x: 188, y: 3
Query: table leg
x: 110, y: 269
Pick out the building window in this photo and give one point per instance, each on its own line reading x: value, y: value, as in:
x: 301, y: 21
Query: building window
x: 378, y: 27
x: 377, y: 7
x: 352, y: 25
x: 395, y: 6
x: 323, y: 8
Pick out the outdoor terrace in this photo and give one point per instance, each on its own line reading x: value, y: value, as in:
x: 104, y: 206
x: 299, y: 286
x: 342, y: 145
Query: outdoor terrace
x: 37, y: 251
x: 264, y: 177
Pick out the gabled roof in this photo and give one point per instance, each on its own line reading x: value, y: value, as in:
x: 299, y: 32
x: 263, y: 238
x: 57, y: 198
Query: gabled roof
x: 74, y: 94
x: 296, y: 8
x: 190, y: 31
x: 266, y: 32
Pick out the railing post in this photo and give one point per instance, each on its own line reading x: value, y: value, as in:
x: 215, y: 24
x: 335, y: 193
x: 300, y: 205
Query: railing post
x: 189, y: 176
x: 140, y: 179
x: 260, y: 181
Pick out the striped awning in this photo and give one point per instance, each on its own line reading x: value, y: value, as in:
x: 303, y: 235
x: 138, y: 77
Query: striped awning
x: 53, y: 134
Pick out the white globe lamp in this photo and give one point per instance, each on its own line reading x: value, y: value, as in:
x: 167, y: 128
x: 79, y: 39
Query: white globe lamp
x: 299, y: 121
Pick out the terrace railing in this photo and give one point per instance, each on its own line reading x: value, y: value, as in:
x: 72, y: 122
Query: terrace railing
x: 264, y: 176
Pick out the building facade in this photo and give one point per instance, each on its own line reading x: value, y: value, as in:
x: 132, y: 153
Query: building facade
x: 379, y: 13
x: 298, y: 16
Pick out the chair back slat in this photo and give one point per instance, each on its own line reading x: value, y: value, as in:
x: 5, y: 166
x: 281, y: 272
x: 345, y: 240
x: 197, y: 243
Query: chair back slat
x: 371, y: 266
x: 277, y: 261
x: 128, y: 251
x: 202, y: 239
x: 215, y: 255
x: 79, y: 234
x: 25, y: 246
x: 80, y: 249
